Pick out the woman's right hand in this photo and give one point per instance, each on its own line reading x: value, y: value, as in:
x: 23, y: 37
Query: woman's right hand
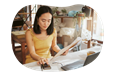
x: 42, y: 60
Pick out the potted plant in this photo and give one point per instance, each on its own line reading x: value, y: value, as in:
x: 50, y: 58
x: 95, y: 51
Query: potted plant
x: 64, y: 11
x: 80, y: 14
x: 54, y: 10
x: 57, y: 12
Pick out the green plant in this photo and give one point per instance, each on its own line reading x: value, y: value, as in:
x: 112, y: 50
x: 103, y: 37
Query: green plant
x: 64, y: 11
x: 82, y: 14
x: 79, y: 14
x: 54, y: 10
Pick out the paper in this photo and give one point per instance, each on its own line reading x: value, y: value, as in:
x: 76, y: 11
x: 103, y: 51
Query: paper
x: 19, y: 32
x: 75, y: 42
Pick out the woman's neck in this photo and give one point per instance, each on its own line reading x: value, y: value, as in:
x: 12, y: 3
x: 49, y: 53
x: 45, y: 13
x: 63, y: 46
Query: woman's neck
x: 43, y: 31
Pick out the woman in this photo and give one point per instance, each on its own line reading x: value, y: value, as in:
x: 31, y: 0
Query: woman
x: 42, y: 37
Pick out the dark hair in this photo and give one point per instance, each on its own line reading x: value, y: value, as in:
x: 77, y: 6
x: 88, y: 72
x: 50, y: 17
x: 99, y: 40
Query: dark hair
x: 36, y: 27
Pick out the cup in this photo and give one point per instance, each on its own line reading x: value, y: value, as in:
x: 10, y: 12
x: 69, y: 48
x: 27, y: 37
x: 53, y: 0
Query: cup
x: 90, y: 52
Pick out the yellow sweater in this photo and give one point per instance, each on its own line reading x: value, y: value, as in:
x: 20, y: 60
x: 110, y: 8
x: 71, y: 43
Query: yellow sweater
x: 42, y: 47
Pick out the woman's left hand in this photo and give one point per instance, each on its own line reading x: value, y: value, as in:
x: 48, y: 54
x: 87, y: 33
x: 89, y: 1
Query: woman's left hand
x: 65, y: 53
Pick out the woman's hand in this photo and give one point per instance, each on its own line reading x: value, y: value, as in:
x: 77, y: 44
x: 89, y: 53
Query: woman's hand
x: 65, y: 53
x: 42, y: 60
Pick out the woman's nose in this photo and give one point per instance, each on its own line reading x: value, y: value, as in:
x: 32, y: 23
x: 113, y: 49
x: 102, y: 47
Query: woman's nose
x: 46, y: 23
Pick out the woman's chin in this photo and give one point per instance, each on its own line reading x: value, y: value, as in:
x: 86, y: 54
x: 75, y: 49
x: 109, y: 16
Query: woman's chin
x: 43, y: 28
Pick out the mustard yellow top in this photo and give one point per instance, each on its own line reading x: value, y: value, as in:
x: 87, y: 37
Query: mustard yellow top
x: 42, y: 47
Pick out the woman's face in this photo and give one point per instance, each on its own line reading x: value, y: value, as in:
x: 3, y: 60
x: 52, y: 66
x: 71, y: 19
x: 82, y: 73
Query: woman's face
x: 44, y: 21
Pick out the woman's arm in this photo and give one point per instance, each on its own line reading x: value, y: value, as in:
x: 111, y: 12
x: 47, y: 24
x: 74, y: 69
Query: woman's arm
x: 55, y: 46
x: 54, y: 43
x: 31, y: 48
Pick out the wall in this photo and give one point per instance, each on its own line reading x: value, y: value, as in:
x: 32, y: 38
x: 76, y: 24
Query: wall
x: 69, y: 21
x: 77, y: 7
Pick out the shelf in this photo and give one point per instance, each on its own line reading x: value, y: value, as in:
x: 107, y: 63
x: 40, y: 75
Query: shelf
x: 26, y: 13
x: 62, y: 17
x: 65, y: 17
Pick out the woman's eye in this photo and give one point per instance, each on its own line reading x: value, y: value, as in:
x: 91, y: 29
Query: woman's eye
x: 43, y: 20
x: 49, y: 20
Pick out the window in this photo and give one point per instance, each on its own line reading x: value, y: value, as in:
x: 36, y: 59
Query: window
x: 34, y: 9
x: 104, y: 24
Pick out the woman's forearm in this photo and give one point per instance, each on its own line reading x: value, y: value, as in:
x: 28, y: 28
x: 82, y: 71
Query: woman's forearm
x: 56, y: 48
x: 35, y: 56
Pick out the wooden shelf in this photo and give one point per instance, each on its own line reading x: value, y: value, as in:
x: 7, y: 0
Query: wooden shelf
x: 79, y: 15
x: 61, y: 39
x: 26, y: 13
x: 62, y: 17
x: 65, y: 17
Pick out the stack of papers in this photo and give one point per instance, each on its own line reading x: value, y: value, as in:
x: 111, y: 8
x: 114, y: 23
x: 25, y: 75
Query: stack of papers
x: 19, y: 34
x: 76, y: 42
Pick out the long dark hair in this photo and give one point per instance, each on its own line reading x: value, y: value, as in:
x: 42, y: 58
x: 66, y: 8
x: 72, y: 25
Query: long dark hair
x: 36, y: 27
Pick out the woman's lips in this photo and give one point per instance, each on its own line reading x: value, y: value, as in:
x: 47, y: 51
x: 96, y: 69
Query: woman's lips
x: 45, y: 26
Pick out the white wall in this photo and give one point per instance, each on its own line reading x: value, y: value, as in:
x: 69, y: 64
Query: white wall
x: 69, y: 21
x: 99, y: 26
x: 70, y: 8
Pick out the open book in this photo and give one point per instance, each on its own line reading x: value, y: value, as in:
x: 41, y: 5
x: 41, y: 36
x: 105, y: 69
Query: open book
x: 76, y: 42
